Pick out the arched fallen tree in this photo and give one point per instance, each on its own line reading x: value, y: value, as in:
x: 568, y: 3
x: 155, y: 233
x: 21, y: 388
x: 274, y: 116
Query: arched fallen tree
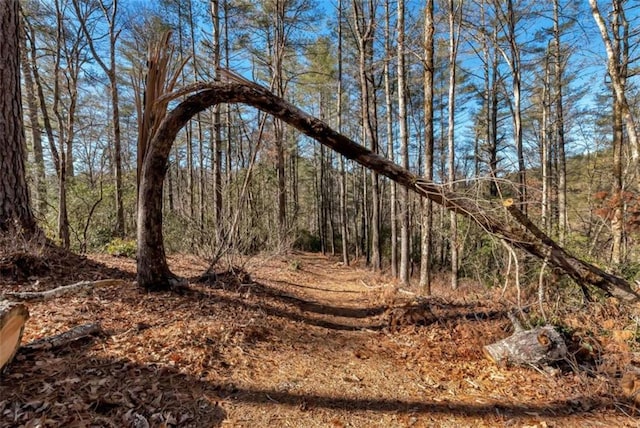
x: 154, y: 273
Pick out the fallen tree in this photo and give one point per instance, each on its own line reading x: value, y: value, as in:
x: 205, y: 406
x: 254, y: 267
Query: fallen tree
x: 153, y: 271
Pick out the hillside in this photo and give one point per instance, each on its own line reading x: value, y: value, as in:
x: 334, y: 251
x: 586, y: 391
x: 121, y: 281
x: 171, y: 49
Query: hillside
x: 299, y: 341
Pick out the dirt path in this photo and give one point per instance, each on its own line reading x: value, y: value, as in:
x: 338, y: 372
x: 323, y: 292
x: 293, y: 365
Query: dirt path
x: 299, y: 344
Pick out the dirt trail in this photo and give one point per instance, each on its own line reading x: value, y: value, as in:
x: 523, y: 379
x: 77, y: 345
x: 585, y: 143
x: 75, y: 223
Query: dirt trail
x: 301, y: 343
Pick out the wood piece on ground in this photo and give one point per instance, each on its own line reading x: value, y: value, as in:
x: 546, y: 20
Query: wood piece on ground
x: 537, y: 347
x: 62, y: 339
x: 13, y: 317
x: 31, y: 296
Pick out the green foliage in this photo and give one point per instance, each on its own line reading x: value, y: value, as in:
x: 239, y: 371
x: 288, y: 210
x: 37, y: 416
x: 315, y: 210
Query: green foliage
x: 483, y: 260
x: 629, y: 270
x: 121, y: 248
x: 178, y: 237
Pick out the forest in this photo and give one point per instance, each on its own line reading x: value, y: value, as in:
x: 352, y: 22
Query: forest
x: 335, y: 213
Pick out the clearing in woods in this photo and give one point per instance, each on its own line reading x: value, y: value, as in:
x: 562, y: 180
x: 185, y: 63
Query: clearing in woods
x: 296, y: 341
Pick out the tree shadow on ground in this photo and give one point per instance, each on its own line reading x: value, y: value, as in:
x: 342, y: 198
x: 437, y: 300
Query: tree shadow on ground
x: 240, y: 281
x: 301, y: 313
x: 308, y: 287
x: 333, y: 317
x: 75, y: 385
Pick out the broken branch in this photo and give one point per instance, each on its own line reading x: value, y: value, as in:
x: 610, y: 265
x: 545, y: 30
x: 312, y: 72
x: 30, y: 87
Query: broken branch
x: 31, y: 296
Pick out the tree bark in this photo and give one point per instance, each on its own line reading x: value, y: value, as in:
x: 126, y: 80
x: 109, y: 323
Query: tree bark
x: 153, y: 272
x: 15, y: 209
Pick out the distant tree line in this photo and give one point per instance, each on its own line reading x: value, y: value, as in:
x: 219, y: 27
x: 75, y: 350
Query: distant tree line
x: 492, y: 99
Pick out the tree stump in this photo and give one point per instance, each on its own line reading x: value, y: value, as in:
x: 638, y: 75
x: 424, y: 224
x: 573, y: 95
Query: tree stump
x: 537, y: 347
x: 13, y: 317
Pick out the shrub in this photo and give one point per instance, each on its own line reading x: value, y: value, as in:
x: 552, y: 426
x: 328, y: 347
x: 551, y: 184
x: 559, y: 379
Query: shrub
x: 121, y: 247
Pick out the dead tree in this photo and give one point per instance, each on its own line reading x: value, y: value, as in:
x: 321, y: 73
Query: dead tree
x: 154, y: 273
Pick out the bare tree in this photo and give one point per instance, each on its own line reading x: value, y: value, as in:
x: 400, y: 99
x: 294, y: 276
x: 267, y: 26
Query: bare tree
x: 614, y: 64
x: 36, y: 132
x: 68, y: 48
x: 364, y: 19
x: 343, y: 175
x: 393, y: 194
x: 454, y: 11
x: 405, y: 255
x: 508, y: 20
x: 559, y: 124
x: 427, y: 214
x: 109, y: 12
x: 216, y: 148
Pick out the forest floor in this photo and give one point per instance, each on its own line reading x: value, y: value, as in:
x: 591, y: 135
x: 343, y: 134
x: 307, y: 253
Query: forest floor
x: 289, y: 341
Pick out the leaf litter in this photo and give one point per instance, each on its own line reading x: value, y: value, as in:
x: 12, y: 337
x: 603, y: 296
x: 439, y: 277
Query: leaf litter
x: 302, y: 344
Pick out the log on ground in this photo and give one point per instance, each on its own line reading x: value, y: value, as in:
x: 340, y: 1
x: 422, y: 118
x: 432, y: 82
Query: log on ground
x: 13, y: 317
x: 62, y: 339
x: 537, y: 347
x: 79, y: 287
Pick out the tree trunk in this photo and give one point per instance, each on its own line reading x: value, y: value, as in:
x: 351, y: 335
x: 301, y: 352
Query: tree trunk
x: 36, y: 135
x: 427, y: 215
x: 405, y: 256
x: 279, y: 84
x: 617, y: 79
x: 13, y: 317
x: 217, y: 128
x: 343, y: 175
x: 545, y: 150
x: 517, y: 110
x: 451, y: 161
x: 154, y: 273
x: 364, y: 26
x: 393, y: 194
x: 559, y: 127
x: 15, y: 209
x: 617, y: 188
